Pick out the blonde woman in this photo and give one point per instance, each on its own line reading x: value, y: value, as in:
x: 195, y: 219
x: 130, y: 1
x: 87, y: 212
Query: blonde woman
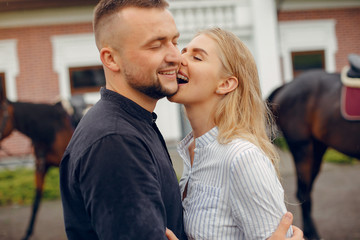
x: 230, y: 187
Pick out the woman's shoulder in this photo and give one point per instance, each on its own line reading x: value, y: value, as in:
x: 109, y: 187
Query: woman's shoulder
x: 240, y: 146
x: 246, y: 153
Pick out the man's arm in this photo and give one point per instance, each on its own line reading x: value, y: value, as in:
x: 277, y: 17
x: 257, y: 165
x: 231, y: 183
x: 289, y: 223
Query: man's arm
x: 283, y: 227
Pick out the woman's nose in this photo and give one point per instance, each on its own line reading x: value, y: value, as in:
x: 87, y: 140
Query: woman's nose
x: 183, y: 60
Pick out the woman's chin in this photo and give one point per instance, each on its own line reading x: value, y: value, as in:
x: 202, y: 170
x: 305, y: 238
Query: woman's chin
x: 174, y: 98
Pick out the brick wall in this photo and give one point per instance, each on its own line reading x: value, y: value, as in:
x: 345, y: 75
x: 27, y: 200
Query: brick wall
x: 347, y: 28
x: 36, y: 82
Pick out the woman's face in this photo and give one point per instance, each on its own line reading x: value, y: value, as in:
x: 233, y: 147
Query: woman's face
x: 199, y: 73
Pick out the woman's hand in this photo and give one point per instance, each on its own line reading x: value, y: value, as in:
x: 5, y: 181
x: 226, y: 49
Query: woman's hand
x: 170, y: 235
x: 283, y: 227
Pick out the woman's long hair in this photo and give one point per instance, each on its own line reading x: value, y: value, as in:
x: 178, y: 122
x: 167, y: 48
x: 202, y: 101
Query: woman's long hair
x: 242, y: 112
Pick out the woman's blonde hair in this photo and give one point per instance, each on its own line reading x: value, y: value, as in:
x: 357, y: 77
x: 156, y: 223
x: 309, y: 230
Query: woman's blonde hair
x: 242, y: 112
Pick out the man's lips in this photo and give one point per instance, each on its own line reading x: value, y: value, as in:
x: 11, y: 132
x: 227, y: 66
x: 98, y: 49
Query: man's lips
x: 167, y: 72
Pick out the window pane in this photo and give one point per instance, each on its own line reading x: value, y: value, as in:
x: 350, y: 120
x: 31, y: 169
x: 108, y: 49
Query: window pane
x: 303, y: 61
x: 86, y: 79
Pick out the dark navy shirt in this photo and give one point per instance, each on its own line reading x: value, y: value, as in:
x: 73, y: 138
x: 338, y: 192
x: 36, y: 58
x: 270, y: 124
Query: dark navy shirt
x: 116, y: 177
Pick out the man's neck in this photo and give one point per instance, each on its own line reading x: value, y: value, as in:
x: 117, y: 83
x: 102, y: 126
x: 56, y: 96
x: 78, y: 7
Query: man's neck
x: 139, y: 98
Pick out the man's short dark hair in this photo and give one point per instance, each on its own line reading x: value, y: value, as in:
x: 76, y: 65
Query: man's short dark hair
x: 108, y: 7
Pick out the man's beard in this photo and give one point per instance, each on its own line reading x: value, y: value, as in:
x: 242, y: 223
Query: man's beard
x: 155, y: 90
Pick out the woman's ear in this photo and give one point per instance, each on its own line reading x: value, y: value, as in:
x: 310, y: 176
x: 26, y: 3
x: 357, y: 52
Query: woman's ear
x: 227, y: 85
x: 107, y: 57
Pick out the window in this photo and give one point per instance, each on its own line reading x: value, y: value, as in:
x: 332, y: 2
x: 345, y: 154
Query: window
x: 2, y: 82
x: 303, y: 61
x: 86, y: 79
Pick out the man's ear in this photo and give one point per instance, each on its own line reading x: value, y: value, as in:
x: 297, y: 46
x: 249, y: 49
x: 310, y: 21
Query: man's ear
x: 227, y: 85
x: 107, y: 56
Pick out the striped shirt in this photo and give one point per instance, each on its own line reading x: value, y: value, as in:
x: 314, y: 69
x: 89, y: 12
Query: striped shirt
x: 233, y: 191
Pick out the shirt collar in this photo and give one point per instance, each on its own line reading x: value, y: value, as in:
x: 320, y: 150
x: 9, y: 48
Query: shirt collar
x: 128, y: 105
x: 201, y: 141
x: 207, y: 138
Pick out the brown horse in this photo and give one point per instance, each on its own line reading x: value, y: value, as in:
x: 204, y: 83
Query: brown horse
x: 307, y: 111
x: 49, y: 128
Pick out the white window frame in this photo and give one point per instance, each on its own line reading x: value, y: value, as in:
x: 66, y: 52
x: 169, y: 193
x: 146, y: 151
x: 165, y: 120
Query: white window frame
x: 307, y: 35
x: 10, y: 66
x: 75, y: 50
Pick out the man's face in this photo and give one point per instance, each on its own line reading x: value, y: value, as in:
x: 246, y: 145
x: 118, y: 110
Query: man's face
x: 149, y: 54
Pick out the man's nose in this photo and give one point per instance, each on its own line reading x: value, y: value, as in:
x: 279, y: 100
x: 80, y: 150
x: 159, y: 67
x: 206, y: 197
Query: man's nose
x: 173, y: 55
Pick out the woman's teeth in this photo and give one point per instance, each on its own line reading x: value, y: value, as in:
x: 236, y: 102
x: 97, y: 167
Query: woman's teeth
x: 182, y: 79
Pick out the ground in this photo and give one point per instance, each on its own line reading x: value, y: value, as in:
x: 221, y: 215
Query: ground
x: 336, y: 207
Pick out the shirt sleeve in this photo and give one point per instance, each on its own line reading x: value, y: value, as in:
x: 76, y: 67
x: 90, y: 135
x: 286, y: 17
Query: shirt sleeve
x: 121, y: 192
x: 256, y: 195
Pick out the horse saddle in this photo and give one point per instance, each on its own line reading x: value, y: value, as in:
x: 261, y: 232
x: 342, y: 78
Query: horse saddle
x: 354, y: 61
x: 350, y: 93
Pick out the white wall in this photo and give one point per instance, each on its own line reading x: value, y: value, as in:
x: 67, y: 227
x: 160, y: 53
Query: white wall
x: 10, y: 66
x: 265, y: 29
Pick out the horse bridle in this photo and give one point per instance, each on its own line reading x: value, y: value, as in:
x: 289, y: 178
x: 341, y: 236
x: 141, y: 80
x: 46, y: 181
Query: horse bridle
x: 5, y: 117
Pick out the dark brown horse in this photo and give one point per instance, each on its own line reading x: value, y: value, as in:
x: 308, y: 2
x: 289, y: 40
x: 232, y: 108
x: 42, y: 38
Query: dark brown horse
x: 49, y: 128
x: 307, y: 111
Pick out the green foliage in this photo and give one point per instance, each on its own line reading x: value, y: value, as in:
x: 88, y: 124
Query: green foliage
x: 18, y: 186
x: 334, y: 156
x: 281, y: 143
x: 330, y: 155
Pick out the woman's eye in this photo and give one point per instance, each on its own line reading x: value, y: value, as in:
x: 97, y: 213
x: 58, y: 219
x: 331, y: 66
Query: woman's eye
x: 197, y: 58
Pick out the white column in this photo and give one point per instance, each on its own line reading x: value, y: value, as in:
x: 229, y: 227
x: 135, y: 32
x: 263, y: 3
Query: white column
x: 265, y: 32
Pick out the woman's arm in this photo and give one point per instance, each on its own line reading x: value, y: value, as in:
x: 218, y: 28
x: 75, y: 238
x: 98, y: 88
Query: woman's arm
x: 256, y: 195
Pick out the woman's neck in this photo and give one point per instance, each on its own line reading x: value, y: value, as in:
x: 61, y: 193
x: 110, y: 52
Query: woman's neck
x: 201, y: 119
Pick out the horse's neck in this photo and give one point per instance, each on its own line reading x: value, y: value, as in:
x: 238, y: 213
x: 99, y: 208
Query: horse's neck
x: 21, y: 118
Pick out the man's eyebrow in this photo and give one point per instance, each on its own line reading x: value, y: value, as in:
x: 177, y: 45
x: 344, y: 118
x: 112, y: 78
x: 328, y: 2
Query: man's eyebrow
x: 161, y: 38
x: 155, y: 39
x: 184, y: 50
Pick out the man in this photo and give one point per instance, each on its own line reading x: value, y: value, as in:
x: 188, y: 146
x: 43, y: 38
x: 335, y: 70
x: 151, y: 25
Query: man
x: 116, y: 176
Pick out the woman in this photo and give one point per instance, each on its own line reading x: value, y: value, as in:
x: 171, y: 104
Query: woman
x: 229, y: 186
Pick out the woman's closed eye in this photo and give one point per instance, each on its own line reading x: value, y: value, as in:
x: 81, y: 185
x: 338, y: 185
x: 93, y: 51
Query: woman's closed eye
x: 197, y: 58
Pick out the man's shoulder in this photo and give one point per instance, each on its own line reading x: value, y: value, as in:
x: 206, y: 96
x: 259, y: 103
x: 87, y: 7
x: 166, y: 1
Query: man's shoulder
x: 100, y: 123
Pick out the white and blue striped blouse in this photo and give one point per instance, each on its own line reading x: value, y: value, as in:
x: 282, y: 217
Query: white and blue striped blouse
x: 233, y: 190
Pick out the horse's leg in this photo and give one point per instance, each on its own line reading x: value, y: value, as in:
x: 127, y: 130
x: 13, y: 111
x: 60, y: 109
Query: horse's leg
x: 40, y: 172
x: 308, y: 158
